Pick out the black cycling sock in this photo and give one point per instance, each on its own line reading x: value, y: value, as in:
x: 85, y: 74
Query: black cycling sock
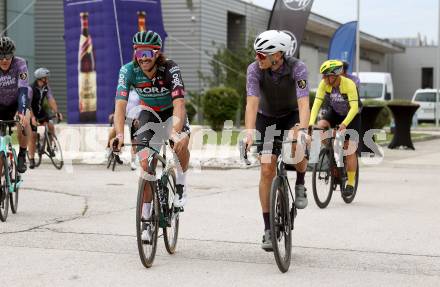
x: 300, y: 178
x: 266, y: 221
x: 22, y: 151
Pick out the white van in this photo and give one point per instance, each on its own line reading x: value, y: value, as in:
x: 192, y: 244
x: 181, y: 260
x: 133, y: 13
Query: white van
x: 375, y: 86
x: 426, y: 99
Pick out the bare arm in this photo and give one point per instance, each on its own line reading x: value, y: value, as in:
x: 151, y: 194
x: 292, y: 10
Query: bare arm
x: 304, y: 112
x: 119, y: 117
x: 251, y: 112
x: 179, y: 114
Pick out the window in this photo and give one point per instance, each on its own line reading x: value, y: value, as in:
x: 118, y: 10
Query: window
x: 427, y: 78
x: 425, y: 97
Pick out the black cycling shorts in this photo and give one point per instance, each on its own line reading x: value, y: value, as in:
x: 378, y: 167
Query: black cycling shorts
x: 269, y: 128
x: 7, y: 113
x: 156, y: 127
x: 336, y: 119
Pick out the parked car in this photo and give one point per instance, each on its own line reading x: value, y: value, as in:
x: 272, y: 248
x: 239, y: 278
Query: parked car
x: 375, y: 86
x: 426, y: 99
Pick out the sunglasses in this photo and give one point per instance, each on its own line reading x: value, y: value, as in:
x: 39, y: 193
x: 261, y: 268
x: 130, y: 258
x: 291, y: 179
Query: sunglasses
x: 139, y: 54
x: 7, y: 56
x: 261, y: 56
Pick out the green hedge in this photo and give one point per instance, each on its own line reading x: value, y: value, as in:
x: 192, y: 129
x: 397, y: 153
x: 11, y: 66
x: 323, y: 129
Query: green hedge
x: 190, y: 111
x: 220, y: 104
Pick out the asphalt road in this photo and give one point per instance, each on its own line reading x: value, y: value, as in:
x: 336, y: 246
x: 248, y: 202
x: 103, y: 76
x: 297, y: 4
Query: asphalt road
x: 77, y: 228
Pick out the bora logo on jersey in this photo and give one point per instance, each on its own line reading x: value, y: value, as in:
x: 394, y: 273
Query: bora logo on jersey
x: 152, y: 90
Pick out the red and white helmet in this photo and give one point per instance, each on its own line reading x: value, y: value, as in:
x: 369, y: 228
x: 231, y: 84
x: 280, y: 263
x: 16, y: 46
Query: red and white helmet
x: 272, y: 41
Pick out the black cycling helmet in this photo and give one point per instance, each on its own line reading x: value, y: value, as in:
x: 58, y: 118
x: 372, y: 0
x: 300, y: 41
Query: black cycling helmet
x: 7, y: 46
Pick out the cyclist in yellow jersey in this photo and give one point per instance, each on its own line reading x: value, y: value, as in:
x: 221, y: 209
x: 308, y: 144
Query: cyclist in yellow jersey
x: 343, y: 110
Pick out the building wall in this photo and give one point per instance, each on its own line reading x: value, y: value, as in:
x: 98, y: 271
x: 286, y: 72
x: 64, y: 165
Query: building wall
x: 214, y: 27
x: 183, y: 45
x: 407, y: 69
x: 2, y: 15
x: 49, y: 46
x: 24, y: 41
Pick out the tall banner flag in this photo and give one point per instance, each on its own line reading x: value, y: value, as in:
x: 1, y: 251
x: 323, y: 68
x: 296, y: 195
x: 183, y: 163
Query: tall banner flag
x: 98, y: 38
x: 291, y: 16
x: 343, y: 44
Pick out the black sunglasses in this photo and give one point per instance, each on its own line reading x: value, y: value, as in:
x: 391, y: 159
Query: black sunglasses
x: 7, y: 56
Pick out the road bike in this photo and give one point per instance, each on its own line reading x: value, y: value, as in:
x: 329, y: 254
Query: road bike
x: 327, y: 173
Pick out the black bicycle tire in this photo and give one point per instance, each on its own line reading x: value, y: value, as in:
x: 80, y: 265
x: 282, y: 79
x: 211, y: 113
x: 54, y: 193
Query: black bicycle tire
x: 114, y: 163
x: 4, y: 211
x: 171, y: 246
x: 60, y: 164
x: 39, y: 151
x: 13, y: 198
x: 278, y: 190
x: 349, y: 199
x: 319, y: 203
x: 147, y: 262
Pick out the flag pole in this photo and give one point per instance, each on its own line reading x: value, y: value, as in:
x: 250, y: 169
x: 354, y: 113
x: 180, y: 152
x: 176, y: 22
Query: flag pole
x: 358, y: 43
x: 437, y: 76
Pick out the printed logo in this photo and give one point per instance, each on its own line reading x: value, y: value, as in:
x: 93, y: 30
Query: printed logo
x: 302, y: 84
x: 174, y: 69
x: 23, y: 76
x: 297, y: 5
x: 176, y: 81
x: 293, y: 45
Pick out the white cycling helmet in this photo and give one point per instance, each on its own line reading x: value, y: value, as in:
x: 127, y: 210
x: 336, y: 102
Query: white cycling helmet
x: 272, y: 41
x: 41, y: 73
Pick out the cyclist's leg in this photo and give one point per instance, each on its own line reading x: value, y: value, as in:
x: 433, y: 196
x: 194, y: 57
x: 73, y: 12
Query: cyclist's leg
x: 351, y: 147
x: 266, y: 126
x: 145, y: 134
x: 32, y: 142
x: 23, y: 143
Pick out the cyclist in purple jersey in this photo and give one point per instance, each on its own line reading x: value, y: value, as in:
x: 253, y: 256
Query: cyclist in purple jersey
x: 14, y: 93
x: 40, y: 91
x: 352, y: 77
x: 277, y: 106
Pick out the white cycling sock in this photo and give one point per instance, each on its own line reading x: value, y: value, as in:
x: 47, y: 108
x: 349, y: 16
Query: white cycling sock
x: 146, y: 210
x: 181, y: 177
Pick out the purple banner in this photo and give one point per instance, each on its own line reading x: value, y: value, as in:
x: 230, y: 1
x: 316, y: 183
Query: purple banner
x: 291, y: 16
x: 98, y: 36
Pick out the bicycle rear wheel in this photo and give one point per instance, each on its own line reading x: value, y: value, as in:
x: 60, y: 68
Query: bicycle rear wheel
x: 13, y: 175
x: 349, y: 199
x: 280, y: 231
x: 147, y: 250
x: 39, y: 150
x: 171, y: 230
x: 55, y: 148
x: 4, y: 189
x: 322, y: 179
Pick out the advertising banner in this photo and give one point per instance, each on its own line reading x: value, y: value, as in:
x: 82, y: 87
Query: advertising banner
x: 291, y: 17
x: 98, y: 38
x: 343, y: 44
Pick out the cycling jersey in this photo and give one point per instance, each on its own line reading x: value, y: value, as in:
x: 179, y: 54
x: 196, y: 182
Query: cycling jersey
x: 354, y: 78
x: 157, y: 93
x: 344, y: 100
x: 37, y: 96
x: 14, y: 85
x: 278, y: 90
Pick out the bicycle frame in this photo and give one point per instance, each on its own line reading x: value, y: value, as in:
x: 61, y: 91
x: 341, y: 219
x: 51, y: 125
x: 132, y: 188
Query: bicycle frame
x: 8, y: 150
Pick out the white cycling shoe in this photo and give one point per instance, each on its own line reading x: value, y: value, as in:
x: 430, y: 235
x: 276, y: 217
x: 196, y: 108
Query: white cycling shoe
x: 180, y: 196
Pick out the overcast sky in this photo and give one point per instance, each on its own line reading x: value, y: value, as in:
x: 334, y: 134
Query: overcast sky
x: 381, y: 18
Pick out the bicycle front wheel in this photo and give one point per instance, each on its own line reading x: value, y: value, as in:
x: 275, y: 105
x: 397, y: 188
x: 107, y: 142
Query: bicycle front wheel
x: 280, y: 231
x: 171, y: 230
x: 13, y: 175
x: 147, y: 249
x: 39, y: 150
x: 4, y: 189
x: 322, y: 179
x: 55, y: 153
